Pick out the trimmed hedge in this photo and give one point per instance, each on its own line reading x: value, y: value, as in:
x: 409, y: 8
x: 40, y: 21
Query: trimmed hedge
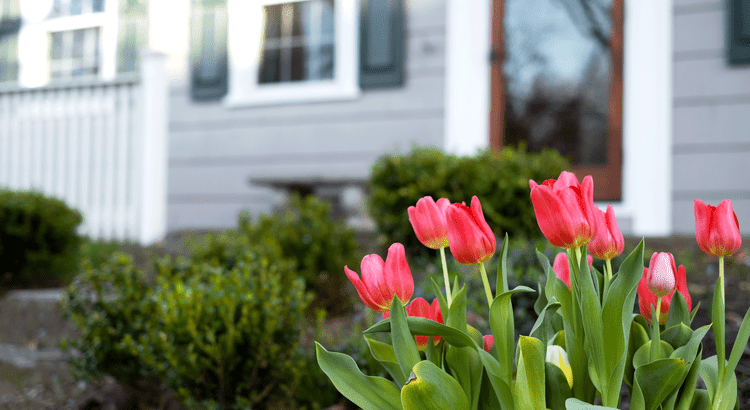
x: 500, y: 180
x: 37, y: 237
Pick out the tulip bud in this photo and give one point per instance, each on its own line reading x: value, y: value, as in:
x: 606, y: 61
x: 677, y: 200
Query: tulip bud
x: 471, y: 239
x: 428, y: 221
x: 565, y: 210
x: 489, y: 341
x: 419, y: 307
x: 557, y: 356
x: 661, y: 274
x: 717, y: 229
x: 608, y: 241
x: 382, y: 280
x: 562, y: 269
x: 647, y: 298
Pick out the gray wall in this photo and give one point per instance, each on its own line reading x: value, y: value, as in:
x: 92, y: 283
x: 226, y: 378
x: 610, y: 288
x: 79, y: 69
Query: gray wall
x: 711, y: 116
x: 214, y: 150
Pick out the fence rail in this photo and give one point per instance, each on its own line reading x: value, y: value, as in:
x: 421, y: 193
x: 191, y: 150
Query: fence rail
x: 96, y: 145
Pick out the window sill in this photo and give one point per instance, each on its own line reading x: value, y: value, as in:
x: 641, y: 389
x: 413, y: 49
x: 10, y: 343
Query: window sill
x: 279, y: 94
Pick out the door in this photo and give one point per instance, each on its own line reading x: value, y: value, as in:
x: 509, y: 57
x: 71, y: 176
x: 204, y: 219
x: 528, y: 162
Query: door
x: 556, y: 82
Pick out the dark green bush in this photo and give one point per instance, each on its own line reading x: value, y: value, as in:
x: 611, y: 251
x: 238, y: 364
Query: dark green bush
x: 500, y: 180
x: 221, y: 338
x: 37, y: 238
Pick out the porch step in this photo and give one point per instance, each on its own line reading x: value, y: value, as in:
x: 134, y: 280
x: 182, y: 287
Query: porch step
x: 32, y: 319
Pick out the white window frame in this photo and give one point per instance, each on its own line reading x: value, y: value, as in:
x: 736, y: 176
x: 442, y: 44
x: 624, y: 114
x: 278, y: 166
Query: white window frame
x: 245, y: 36
x: 34, y: 41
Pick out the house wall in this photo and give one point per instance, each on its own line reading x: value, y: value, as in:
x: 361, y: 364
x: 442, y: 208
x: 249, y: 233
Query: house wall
x: 215, y: 150
x: 711, y: 100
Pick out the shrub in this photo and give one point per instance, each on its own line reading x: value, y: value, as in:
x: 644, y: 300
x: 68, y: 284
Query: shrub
x: 500, y: 180
x: 37, y: 237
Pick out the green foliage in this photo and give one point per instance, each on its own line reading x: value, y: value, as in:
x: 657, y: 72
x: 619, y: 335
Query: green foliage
x: 303, y: 233
x: 221, y: 338
x: 500, y: 180
x: 37, y: 237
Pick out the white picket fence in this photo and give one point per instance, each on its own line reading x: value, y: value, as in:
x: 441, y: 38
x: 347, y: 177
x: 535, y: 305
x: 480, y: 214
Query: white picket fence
x: 99, y: 146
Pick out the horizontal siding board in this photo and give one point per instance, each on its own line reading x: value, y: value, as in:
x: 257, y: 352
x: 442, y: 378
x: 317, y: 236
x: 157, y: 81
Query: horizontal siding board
x: 683, y: 216
x: 683, y: 3
x: 716, y: 171
x: 424, y: 13
x: 712, y: 124
x: 699, y: 31
x: 377, y: 136
x: 704, y: 78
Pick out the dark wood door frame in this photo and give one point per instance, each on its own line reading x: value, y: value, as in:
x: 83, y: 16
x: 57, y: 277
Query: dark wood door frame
x: 607, y: 178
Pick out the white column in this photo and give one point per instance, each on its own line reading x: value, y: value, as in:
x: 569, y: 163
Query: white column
x: 467, y: 76
x: 154, y: 100
x: 647, y: 116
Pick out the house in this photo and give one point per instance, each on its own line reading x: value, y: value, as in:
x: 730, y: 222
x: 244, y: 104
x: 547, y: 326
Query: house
x: 266, y: 96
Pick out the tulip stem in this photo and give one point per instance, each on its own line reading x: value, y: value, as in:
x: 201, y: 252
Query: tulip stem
x: 486, y: 282
x: 607, y: 278
x: 721, y: 335
x: 445, y: 277
x: 655, y: 333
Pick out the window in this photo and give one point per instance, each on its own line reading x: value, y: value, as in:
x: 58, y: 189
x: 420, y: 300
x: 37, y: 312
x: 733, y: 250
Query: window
x: 74, y: 53
x: 76, y: 7
x: 292, y: 51
x: 10, y: 22
x: 738, y: 32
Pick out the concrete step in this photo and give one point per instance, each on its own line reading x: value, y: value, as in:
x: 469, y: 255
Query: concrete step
x: 32, y: 318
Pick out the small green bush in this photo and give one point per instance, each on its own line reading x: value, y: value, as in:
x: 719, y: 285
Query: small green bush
x: 500, y: 180
x: 37, y: 238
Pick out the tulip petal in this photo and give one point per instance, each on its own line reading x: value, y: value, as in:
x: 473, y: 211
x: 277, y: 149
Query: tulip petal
x: 397, y: 274
x: 362, y: 290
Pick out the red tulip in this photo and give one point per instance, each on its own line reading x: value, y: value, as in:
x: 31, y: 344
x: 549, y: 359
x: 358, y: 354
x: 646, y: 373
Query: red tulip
x: 420, y: 308
x: 608, y: 241
x: 382, y: 280
x: 647, y: 298
x: 717, y: 229
x: 471, y: 239
x: 661, y: 273
x: 565, y: 210
x: 428, y: 221
x: 489, y: 341
x: 562, y: 269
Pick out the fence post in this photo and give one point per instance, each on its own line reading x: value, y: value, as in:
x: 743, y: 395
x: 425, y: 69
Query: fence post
x: 154, y: 100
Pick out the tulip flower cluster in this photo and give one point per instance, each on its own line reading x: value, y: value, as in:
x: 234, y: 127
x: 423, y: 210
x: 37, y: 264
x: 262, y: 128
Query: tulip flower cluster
x: 586, y: 340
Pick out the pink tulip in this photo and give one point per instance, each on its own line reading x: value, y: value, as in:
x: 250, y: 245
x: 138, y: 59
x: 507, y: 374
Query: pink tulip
x: 489, y: 341
x: 419, y: 307
x: 717, y: 229
x: 647, y: 298
x: 562, y: 269
x: 565, y: 210
x: 428, y: 221
x: 661, y: 274
x: 608, y: 241
x: 471, y: 239
x: 382, y: 280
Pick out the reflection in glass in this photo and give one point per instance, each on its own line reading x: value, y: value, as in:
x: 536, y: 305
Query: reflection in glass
x: 557, y: 72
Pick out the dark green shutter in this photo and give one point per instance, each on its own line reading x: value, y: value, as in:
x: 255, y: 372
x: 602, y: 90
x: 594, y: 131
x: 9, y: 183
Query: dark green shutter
x: 208, y: 56
x: 10, y: 23
x: 381, y: 44
x: 738, y: 47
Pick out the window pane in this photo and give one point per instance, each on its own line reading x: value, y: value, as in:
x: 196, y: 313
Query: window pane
x: 557, y: 75
x: 98, y: 6
x: 270, y: 67
x: 74, y: 53
x: 208, y: 64
x: 273, y: 21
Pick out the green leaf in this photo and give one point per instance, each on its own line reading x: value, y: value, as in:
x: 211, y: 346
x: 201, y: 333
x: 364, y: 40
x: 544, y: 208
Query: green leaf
x: 740, y: 342
x: 367, y: 392
x: 655, y: 381
x: 591, y: 315
x: 557, y: 390
x: 404, y: 345
x: 700, y: 401
x: 638, y: 337
x: 441, y: 299
x: 384, y: 353
x: 694, y: 312
x: 541, y: 300
x: 726, y: 398
x: 430, y: 388
x: 687, y: 391
x: 543, y: 329
x: 501, y: 322
x: 575, y: 404
x: 677, y: 335
x: 492, y: 370
x: 678, y: 312
x: 641, y: 356
x: 530, y: 378
x: 466, y: 368
x: 502, y: 268
x: 719, y: 321
x: 426, y: 327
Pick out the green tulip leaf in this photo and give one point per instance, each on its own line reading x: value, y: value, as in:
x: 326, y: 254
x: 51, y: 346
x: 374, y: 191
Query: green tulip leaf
x: 543, y: 328
x: 441, y: 299
x: 457, y: 312
x: 677, y: 335
x: 502, y: 325
x: 404, y: 345
x: 426, y: 327
x: 694, y: 312
x: 642, y: 355
x: 687, y: 391
x: 383, y: 352
x: 430, y: 388
x: 638, y: 337
x: 502, y: 269
x: 678, y: 312
x: 530, y: 376
x: 501, y: 388
x: 700, y: 401
x: 466, y: 368
x: 541, y: 300
x: 557, y: 390
x: 367, y: 392
x: 687, y: 350
x: 575, y: 404
x: 740, y: 342
x: 727, y: 396
x: 655, y: 381
x: 591, y: 313
x: 719, y: 321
